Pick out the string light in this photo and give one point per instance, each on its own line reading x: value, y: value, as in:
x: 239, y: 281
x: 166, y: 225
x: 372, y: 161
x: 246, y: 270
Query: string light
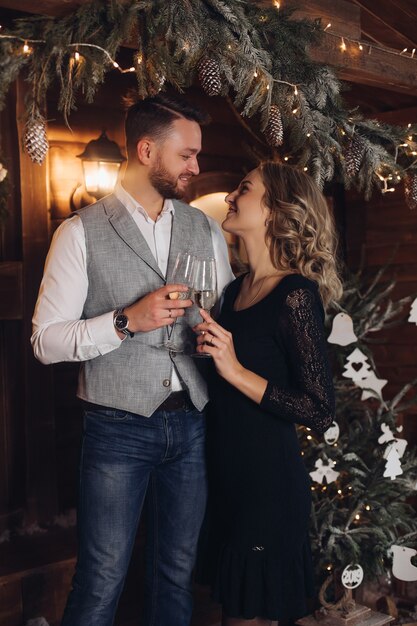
x: 286, y: 159
x: 329, y: 568
x: 255, y: 74
x: 77, y: 56
x: 413, y: 53
x: 367, y: 507
x: 360, y: 46
x: 308, y: 135
x: 403, y: 51
x: 343, y: 45
x: 294, y: 111
x: 277, y: 4
x: 305, y: 169
x: 357, y: 516
x: 339, y: 491
x: 328, y: 26
x: 308, y: 436
x: 26, y: 48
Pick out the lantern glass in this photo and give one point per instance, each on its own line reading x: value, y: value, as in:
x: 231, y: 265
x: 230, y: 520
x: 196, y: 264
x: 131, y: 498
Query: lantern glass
x: 100, y: 177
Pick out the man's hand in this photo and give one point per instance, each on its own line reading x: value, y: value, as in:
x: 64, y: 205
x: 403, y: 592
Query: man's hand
x: 156, y: 309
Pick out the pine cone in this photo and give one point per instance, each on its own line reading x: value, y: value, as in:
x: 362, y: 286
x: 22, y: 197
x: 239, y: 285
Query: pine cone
x: 274, y: 131
x: 411, y: 191
x: 354, y: 154
x: 35, y: 139
x: 209, y: 76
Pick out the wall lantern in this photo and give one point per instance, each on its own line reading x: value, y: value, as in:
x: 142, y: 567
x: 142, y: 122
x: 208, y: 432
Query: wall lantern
x: 101, y: 161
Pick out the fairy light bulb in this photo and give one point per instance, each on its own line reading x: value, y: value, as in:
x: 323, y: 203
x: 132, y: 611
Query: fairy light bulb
x: 77, y: 56
x: 339, y: 491
x: 305, y: 169
x: 255, y: 74
x: 357, y: 516
x: 308, y: 436
x: 286, y: 159
x: 295, y: 91
x: 26, y: 48
x: 343, y: 45
x: 328, y: 26
x: 404, y: 51
x: 277, y: 4
x: 360, y: 46
x: 308, y: 135
x: 294, y: 111
x: 132, y: 69
x: 329, y: 568
x: 116, y: 65
x: 367, y: 507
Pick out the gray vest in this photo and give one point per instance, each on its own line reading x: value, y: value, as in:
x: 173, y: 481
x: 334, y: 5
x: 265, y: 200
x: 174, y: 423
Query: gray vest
x: 121, y: 269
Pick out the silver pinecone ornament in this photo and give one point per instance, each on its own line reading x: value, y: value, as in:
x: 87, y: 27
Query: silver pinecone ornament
x: 209, y: 76
x: 35, y: 139
x: 411, y: 191
x: 354, y: 154
x: 274, y: 131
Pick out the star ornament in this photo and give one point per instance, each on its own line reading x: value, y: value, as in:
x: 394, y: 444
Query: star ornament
x: 371, y: 386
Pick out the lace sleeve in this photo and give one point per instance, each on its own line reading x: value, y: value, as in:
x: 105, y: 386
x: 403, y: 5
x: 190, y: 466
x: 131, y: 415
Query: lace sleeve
x: 310, y: 399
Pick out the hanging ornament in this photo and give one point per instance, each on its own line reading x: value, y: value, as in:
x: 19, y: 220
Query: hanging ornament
x: 35, y: 139
x: 413, y: 312
x: 324, y: 471
x: 352, y: 576
x: 393, y: 465
x: 389, y: 437
x: 332, y: 434
x: 342, y: 332
x: 372, y: 386
x: 209, y: 76
x: 357, y: 367
x: 410, y: 185
x: 274, y: 131
x: 354, y: 154
x: 402, y: 568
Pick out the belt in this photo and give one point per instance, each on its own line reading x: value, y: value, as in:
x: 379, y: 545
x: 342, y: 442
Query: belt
x: 175, y: 401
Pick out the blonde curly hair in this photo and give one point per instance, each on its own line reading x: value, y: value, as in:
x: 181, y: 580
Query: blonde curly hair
x: 301, y: 232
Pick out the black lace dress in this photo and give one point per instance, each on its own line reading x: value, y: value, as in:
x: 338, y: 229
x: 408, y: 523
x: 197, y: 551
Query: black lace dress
x: 258, y: 557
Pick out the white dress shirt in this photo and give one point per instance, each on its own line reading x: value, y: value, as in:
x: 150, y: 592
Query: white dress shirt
x: 58, y: 332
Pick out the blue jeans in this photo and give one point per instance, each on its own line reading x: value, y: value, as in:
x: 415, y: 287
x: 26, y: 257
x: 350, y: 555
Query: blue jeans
x: 124, y: 456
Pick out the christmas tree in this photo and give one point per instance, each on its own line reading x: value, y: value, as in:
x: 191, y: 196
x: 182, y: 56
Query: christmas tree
x: 362, y: 470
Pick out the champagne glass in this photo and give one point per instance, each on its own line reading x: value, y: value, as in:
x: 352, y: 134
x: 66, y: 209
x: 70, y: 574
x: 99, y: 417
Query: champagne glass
x: 204, y: 288
x: 182, y: 274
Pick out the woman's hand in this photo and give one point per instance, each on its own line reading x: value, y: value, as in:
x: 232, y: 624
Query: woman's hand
x: 218, y: 342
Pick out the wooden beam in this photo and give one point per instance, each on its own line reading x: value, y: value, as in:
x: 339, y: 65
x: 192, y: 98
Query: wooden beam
x: 372, y: 66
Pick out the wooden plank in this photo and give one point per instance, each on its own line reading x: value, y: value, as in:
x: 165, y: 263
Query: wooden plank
x: 11, y: 297
x: 378, y: 68
x: 39, y: 419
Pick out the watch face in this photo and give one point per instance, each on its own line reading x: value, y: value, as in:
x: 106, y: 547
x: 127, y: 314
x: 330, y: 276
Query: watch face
x: 121, y: 321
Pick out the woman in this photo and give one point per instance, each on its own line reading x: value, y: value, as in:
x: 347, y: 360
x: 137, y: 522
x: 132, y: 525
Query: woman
x: 272, y: 372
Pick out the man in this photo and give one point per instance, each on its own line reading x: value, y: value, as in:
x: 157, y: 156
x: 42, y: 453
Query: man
x: 104, y: 301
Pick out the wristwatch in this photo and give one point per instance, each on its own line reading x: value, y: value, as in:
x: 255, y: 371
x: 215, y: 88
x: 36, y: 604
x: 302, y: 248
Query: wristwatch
x: 121, y: 323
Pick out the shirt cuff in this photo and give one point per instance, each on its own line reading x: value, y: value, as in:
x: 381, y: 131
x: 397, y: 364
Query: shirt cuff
x: 103, y: 333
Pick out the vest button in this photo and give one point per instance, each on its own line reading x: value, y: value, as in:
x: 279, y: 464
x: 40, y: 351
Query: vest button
x: 166, y: 382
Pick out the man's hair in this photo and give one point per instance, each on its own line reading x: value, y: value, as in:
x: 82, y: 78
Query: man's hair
x: 152, y: 117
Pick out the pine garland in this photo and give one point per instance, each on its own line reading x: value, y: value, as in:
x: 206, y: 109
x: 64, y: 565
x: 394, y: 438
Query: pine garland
x: 262, y: 55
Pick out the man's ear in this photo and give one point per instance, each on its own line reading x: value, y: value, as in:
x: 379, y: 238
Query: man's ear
x: 145, y: 150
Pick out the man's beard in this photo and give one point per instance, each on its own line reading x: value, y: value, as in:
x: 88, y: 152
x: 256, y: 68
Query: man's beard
x: 164, y: 183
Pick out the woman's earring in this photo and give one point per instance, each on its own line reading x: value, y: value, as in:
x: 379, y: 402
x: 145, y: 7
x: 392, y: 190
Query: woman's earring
x: 267, y: 222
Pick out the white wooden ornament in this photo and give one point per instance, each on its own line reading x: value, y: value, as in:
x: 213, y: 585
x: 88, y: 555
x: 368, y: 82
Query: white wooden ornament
x: 332, y: 434
x: 389, y: 437
x: 342, y: 332
x: 413, y: 312
x: 371, y: 386
x: 324, y: 471
x: 402, y: 568
x: 393, y: 465
x: 352, y: 576
x: 356, y: 366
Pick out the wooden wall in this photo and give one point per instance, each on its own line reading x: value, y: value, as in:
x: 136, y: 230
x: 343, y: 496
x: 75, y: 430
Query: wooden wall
x: 384, y: 229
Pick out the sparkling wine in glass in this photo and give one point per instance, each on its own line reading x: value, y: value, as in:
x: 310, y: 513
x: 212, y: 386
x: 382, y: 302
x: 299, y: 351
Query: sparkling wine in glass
x: 205, y: 288
x: 182, y: 274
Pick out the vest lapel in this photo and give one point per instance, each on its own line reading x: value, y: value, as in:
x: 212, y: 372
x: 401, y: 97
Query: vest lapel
x: 182, y: 229
x: 127, y: 229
